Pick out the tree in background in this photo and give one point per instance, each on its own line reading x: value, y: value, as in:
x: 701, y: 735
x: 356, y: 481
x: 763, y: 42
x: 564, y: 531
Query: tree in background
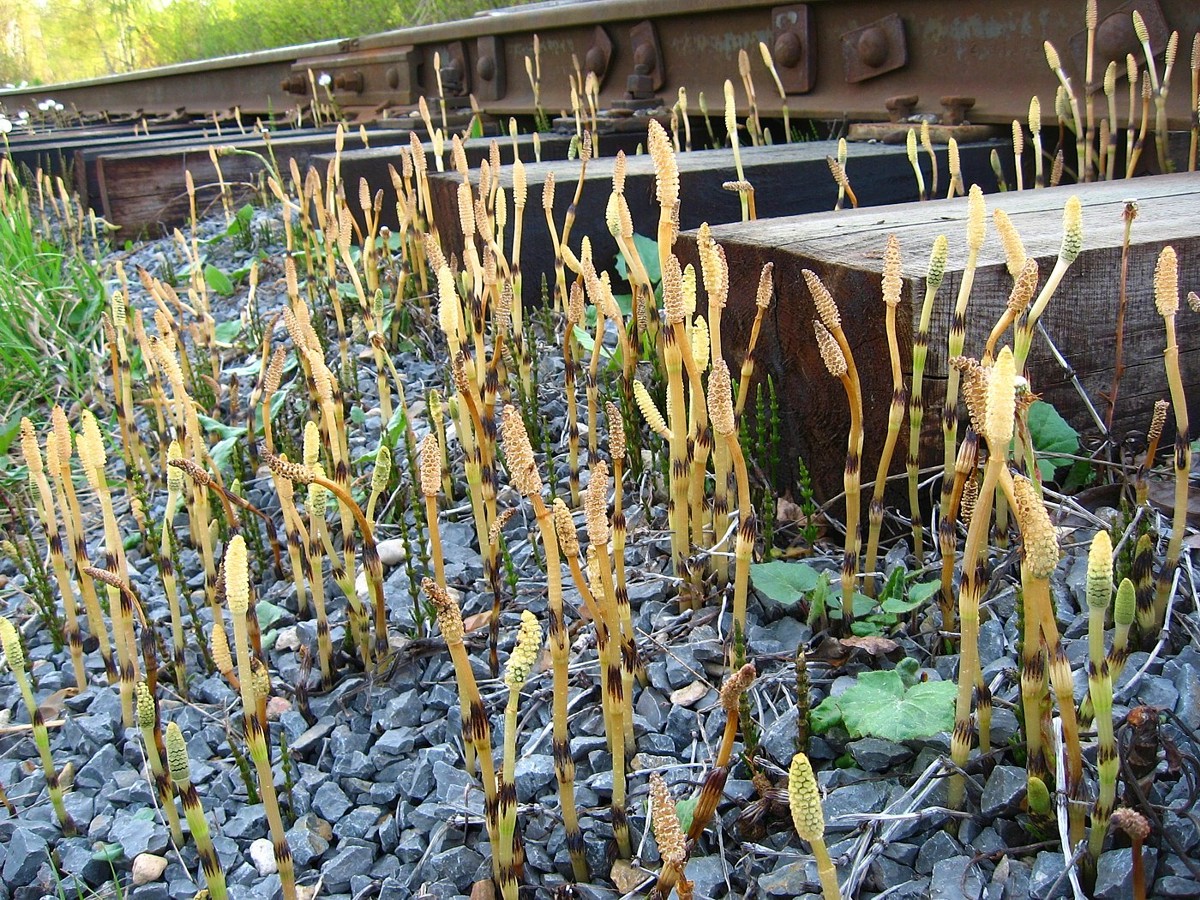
x: 68, y: 40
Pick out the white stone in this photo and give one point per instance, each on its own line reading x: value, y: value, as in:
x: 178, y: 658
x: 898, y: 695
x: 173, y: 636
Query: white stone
x: 287, y: 639
x: 262, y: 854
x: 391, y: 551
x: 147, y: 868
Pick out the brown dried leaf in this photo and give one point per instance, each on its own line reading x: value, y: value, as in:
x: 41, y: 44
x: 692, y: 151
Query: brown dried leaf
x: 836, y: 652
x: 51, y: 706
x: 876, y: 646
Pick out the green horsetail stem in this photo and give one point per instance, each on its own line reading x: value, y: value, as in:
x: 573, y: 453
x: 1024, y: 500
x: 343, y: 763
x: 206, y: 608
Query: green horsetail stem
x: 1036, y: 706
x: 1069, y: 250
x: 520, y: 664
x: 379, y: 479
x: 1098, y: 590
x: 916, y: 401
x: 1166, y: 301
x: 803, y: 700
x: 1107, y: 762
x: 808, y: 818
x: 237, y: 595
x: 891, y: 297
x: 180, y: 768
x: 48, y: 517
x: 1142, y: 573
x: 10, y: 641
x: 1124, y: 613
x: 148, y: 724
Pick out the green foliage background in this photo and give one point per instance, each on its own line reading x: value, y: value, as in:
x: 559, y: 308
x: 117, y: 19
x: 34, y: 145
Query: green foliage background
x: 49, y: 41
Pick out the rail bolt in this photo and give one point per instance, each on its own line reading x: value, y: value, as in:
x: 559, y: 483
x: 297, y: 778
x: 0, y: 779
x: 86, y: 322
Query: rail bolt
x: 900, y: 108
x: 873, y: 47
x: 788, y: 50
x: 294, y: 84
x: 955, y: 109
x: 350, y: 81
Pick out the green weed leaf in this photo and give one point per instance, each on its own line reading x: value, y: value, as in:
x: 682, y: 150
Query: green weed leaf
x: 217, y: 280
x: 108, y: 853
x: 879, y: 705
x: 220, y: 428
x: 226, y: 332
x: 268, y: 614
x: 647, y: 249
x: 917, y: 595
x: 686, y: 811
x: 222, y: 453
x: 1052, y: 437
x: 784, y: 582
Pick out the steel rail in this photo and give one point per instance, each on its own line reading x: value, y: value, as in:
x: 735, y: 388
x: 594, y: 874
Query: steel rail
x: 837, y: 60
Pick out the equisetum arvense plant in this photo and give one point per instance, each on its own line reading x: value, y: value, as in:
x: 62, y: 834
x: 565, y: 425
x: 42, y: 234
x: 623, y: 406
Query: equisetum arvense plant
x: 14, y: 654
x: 181, y: 776
x: 839, y: 361
x: 808, y: 818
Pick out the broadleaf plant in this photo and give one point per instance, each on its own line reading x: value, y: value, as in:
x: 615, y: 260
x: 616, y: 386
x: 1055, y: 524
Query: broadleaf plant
x: 884, y: 705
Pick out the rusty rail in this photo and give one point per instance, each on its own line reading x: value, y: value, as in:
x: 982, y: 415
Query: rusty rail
x: 836, y: 60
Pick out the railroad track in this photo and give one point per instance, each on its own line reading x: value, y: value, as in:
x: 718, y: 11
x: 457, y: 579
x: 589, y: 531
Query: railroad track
x: 836, y: 60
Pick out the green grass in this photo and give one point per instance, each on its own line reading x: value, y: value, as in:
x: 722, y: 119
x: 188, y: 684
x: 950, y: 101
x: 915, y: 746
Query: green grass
x: 50, y: 304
